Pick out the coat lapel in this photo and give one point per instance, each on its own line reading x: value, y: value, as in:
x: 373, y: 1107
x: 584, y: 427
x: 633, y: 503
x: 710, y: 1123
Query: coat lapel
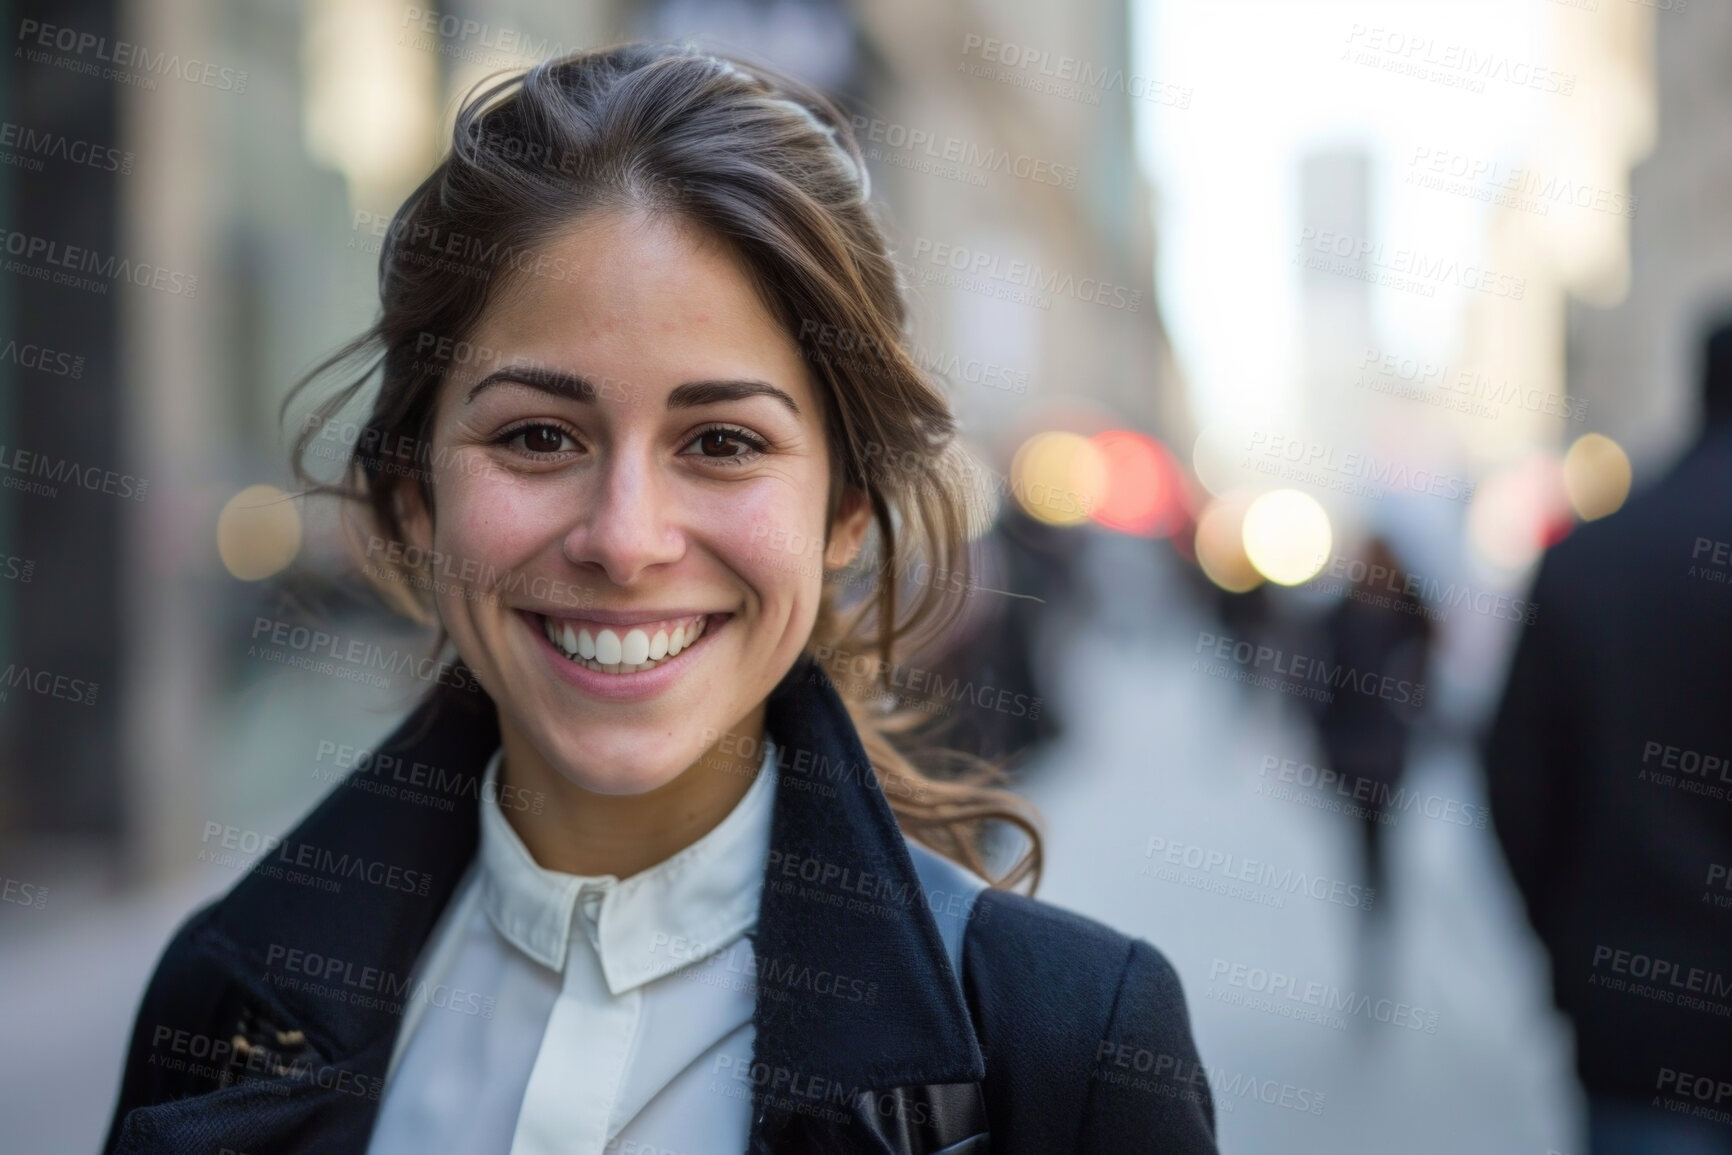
x: 397, y: 862
x: 897, y: 1070
x: 841, y: 897
x: 301, y: 1070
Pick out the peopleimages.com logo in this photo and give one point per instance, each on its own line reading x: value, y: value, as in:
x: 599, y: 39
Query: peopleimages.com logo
x: 1291, y: 672
x: 1220, y: 872
x: 355, y: 658
x: 26, y: 147
x: 1026, y: 275
x: 58, y: 263
x: 134, y: 63
x: 43, y: 359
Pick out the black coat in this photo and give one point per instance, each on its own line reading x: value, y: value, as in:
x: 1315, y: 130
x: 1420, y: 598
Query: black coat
x: 1365, y: 735
x: 1603, y: 788
x: 1062, y: 1035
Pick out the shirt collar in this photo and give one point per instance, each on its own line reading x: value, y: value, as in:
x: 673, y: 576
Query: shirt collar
x: 655, y: 922
x: 829, y: 808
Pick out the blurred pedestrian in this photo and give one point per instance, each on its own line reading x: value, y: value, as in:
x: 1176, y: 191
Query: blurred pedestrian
x: 996, y: 708
x: 1611, y: 792
x: 1381, y: 629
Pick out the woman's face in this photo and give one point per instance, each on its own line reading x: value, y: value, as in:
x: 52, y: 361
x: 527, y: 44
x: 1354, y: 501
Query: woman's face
x: 619, y: 473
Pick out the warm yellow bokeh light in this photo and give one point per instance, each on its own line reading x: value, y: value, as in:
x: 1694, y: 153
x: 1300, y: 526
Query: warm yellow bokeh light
x: 1287, y: 536
x: 1220, y: 544
x: 258, y: 532
x: 1216, y: 456
x: 1596, y: 476
x: 1058, y: 477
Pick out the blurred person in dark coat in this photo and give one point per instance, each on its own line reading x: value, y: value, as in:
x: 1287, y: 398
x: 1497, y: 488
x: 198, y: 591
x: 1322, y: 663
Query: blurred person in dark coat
x: 1379, y: 627
x: 997, y: 709
x: 1610, y: 774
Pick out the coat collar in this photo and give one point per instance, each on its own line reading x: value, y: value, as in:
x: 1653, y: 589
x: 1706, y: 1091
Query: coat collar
x: 840, y: 895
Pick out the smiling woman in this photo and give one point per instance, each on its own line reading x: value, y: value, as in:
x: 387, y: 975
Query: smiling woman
x: 650, y: 503
x: 723, y: 912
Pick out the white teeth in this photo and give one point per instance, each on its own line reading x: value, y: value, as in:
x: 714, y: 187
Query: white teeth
x: 608, y: 648
x: 634, y: 650
x: 637, y: 651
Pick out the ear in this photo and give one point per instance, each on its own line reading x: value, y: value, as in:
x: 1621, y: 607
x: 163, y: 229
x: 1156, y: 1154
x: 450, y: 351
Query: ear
x: 848, y: 531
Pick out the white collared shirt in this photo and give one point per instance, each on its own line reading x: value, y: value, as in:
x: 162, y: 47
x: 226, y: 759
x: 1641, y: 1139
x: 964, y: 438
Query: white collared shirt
x: 575, y: 1014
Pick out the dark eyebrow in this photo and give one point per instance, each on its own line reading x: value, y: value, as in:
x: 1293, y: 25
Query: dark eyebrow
x: 567, y: 385
x: 694, y: 393
x: 573, y: 387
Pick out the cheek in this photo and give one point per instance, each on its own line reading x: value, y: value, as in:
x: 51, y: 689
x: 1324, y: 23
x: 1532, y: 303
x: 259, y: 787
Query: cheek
x: 773, y: 537
x: 493, y: 522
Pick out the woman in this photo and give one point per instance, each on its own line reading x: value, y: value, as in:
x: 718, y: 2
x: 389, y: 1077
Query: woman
x: 644, y: 391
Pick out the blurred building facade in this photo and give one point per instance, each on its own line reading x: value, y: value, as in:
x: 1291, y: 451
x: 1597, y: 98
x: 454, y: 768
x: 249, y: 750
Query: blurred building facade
x: 1567, y: 252
x: 61, y: 405
x: 1635, y: 363
x: 274, y: 191
x: 985, y: 138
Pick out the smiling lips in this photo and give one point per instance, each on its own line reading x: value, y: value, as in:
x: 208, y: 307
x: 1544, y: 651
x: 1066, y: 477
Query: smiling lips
x: 623, y: 649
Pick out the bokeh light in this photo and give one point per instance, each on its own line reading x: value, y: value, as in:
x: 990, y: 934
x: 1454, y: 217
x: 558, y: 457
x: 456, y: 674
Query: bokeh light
x: 1058, y: 477
x: 1596, y: 476
x: 1220, y: 543
x: 258, y: 532
x: 1141, y: 494
x: 1216, y: 457
x: 1518, y: 511
x: 1287, y: 536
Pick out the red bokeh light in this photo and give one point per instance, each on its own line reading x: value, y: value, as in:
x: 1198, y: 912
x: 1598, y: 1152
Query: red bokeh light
x: 1142, y: 493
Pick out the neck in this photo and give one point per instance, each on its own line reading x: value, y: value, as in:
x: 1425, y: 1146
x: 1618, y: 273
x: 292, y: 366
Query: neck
x: 578, y: 831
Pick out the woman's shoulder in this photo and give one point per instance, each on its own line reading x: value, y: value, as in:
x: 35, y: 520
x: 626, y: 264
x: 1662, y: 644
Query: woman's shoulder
x: 1034, y: 949
x: 1084, y: 1029
x: 1024, y: 941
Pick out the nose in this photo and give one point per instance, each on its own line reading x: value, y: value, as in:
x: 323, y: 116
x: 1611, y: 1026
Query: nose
x: 627, y: 523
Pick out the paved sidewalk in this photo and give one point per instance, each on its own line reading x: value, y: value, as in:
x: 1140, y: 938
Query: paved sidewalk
x: 1154, y: 750
x: 1157, y: 751
x: 72, y: 973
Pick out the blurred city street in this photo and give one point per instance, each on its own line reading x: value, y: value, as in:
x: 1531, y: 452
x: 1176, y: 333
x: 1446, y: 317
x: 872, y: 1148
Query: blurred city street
x: 1151, y: 750
x: 72, y: 974
x: 1154, y: 750
x: 1310, y: 331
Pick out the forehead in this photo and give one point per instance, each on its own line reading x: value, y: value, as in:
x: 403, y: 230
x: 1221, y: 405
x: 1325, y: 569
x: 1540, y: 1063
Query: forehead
x: 649, y: 299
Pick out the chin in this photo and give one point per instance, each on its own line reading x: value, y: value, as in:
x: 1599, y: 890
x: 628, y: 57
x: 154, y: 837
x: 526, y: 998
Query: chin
x: 617, y: 764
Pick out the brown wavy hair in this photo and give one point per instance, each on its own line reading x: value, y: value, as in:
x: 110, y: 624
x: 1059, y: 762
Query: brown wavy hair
x: 770, y: 166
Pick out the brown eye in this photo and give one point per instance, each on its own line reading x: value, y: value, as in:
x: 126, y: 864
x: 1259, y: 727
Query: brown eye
x: 542, y: 439
x: 719, y: 443
x: 726, y: 443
